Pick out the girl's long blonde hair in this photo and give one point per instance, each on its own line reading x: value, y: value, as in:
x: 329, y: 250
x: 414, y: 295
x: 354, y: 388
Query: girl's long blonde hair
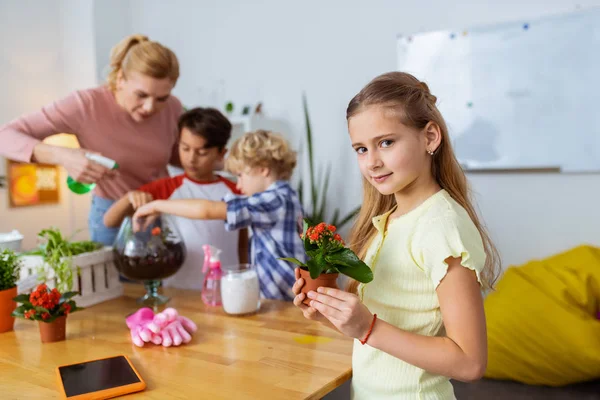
x: 138, y: 53
x: 412, y: 100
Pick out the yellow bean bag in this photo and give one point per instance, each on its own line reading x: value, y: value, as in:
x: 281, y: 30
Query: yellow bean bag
x: 542, y: 325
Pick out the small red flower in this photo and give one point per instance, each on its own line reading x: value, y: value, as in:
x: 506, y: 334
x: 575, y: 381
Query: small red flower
x: 45, y: 316
x: 156, y: 231
x: 331, y: 228
x: 34, y: 298
x: 29, y: 314
x: 320, y: 228
x: 67, y: 308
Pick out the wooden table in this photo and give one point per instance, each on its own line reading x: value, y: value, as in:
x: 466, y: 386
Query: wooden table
x: 275, y: 354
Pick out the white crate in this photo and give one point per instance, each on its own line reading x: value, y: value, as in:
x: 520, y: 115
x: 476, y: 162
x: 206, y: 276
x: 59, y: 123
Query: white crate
x: 98, y: 278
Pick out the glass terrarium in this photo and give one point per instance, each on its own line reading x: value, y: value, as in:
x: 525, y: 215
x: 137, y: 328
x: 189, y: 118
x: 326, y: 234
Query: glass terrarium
x: 153, y: 251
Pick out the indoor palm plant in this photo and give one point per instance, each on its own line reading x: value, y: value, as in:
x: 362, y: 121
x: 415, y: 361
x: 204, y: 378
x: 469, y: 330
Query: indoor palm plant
x: 9, y: 275
x: 327, y: 257
x: 318, y: 188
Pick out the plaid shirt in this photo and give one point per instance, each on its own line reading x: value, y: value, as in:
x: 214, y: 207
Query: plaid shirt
x: 275, y: 218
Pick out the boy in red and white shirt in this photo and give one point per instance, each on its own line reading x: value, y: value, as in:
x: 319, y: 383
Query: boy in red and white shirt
x: 204, y: 133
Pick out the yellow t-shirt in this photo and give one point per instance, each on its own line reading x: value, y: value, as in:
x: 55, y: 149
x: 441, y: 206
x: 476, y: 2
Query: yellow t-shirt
x: 408, y: 264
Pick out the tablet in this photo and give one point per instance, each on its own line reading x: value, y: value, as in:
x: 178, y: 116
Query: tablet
x: 99, y: 379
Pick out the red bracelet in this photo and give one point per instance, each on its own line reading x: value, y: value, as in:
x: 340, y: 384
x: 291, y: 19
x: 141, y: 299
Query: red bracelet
x: 364, y: 341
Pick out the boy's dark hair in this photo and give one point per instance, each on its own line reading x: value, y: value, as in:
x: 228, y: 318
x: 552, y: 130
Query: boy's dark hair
x: 209, y: 123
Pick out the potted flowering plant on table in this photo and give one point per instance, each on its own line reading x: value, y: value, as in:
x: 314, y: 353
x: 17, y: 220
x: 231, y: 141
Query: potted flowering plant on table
x: 9, y: 274
x: 50, y: 308
x: 328, y: 256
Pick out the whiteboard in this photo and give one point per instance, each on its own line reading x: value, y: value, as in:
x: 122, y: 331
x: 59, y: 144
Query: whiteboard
x: 516, y: 95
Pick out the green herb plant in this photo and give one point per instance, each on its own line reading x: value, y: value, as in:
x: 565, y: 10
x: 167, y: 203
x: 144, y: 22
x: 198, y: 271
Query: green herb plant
x: 57, y: 253
x: 10, y: 266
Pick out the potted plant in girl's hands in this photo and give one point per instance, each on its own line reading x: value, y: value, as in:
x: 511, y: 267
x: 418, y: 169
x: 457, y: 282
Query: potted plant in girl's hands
x: 50, y: 308
x: 9, y: 274
x: 328, y: 256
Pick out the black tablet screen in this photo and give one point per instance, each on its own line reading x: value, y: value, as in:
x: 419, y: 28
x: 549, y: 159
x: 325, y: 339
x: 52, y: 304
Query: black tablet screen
x: 97, y: 375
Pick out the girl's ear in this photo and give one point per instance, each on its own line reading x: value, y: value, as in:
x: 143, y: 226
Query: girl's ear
x: 433, y: 137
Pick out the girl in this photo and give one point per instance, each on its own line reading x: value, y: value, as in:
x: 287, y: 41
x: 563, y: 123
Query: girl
x: 131, y: 119
x: 420, y: 321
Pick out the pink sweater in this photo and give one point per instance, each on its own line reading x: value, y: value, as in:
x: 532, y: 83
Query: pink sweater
x: 142, y: 149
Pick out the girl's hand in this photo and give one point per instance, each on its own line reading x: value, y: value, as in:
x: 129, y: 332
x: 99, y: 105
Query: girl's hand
x: 344, y: 310
x: 138, y: 198
x: 309, y: 312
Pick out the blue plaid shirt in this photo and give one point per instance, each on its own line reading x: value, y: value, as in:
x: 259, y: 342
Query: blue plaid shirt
x: 275, y: 219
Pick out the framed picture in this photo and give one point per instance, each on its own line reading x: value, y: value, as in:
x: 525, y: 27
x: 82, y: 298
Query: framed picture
x: 32, y: 184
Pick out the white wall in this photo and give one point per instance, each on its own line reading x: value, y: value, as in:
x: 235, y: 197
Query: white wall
x: 272, y: 51
x: 45, y: 54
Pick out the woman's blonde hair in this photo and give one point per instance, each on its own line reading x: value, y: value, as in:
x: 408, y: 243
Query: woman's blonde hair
x: 412, y: 101
x: 138, y: 53
x: 262, y: 149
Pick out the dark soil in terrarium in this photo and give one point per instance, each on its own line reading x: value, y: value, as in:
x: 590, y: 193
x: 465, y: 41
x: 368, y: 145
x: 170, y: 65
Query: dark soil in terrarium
x: 160, y: 265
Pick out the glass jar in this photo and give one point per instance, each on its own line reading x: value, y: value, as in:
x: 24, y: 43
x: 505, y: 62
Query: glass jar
x: 240, y: 289
x: 149, y: 254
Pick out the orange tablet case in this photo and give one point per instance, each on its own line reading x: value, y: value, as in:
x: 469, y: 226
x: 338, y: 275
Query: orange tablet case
x: 107, y: 393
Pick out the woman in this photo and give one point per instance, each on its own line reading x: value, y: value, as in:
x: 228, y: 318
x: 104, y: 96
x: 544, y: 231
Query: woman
x: 132, y: 120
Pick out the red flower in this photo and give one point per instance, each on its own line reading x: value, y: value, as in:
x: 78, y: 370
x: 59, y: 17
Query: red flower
x: 156, y: 231
x: 67, y: 308
x: 331, y: 228
x: 45, y: 316
x: 29, y: 314
x: 320, y: 228
x: 34, y: 298
x: 338, y: 238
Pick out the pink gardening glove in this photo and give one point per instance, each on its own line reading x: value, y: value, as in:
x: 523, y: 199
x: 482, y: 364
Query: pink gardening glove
x: 173, y: 328
x: 138, y: 326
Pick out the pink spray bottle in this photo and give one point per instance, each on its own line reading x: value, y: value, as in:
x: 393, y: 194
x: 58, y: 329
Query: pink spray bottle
x: 211, y: 287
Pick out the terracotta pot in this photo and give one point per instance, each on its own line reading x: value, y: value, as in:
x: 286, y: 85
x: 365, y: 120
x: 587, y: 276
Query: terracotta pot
x: 323, y: 280
x: 7, y: 306
x: 54, y: 331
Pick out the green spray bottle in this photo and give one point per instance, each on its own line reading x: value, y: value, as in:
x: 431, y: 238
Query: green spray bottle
x: 83, y: 188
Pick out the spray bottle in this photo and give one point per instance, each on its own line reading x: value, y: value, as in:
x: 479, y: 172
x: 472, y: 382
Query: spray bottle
x: 211, y: 287
x: 83, y: 188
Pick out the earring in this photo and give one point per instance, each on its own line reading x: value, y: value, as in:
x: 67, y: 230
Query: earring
x: 430, y: 152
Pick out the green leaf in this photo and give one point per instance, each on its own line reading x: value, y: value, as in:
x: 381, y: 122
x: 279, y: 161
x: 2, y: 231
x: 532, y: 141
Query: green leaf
x: 349, y: 264
x: 293, y: 261
x: 67, y: 295
x: 40, y: 309
x: 314, y: 268
x: 305, y: 224
x: 334, y: 220
x: 348, y: 217
x: 310, y: 150
x: 22, y: 298
x: 21, y: 309
x: 312, y: 253
x: 300, y: 191
x: 324, y: 188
